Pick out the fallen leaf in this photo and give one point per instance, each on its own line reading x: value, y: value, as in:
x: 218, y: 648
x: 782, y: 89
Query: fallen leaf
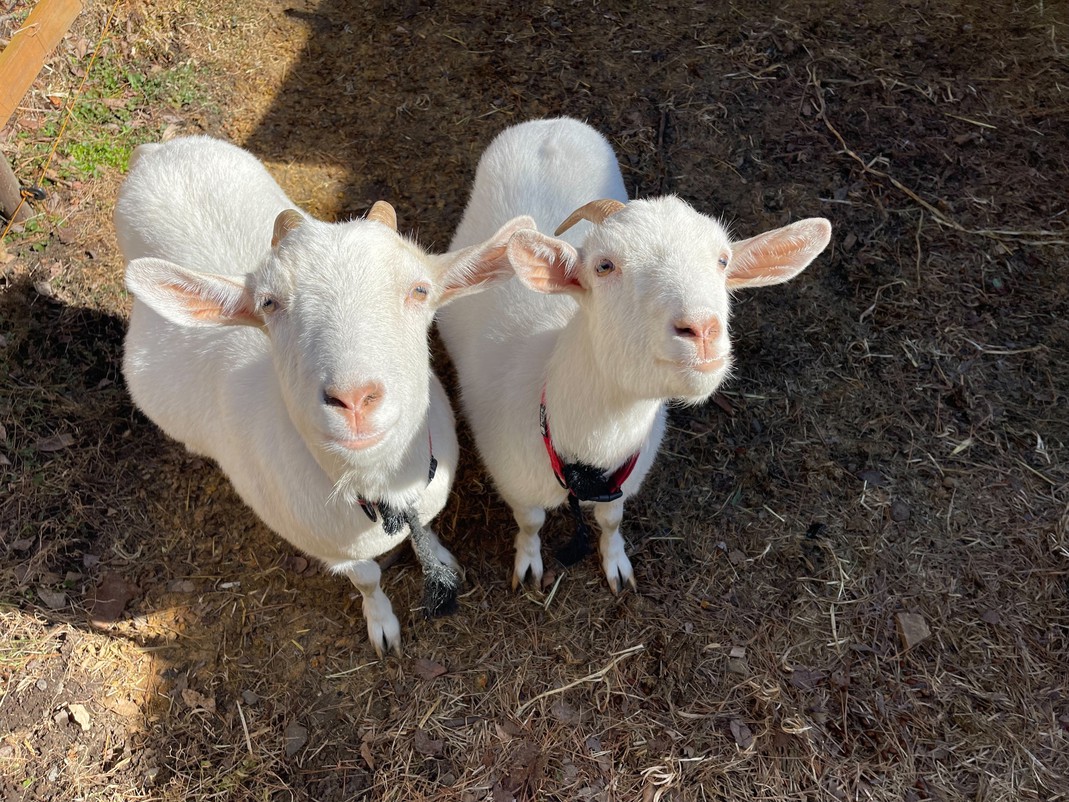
x: 564, y: 712
x: 110, y: 598
x: 806, y: 679
x: 741, y: 733
x: 724, y: 404
x: 548, y: 578
x: 426, y: 745
x: 899, y: 511
x: 198, y: 701
x: 874, y: 478
x: 428, y: 669
x: 52, y: 599
x: 56, y: 442
x: 296, y: 736
x: 365, y: 752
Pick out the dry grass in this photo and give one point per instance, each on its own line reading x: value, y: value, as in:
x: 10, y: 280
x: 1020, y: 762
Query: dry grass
x: 894, y: 442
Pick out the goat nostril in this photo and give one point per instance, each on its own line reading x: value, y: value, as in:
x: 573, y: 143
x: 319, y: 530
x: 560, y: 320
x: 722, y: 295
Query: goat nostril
x: 699, y: 329
x: 332, y: 401
x: 370, y: 399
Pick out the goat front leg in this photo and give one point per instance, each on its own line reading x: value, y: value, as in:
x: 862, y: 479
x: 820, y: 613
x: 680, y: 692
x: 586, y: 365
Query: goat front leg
x: 383, y: 628
x: 441, y: 580
x: 614, y: 560
x: 528, y: 562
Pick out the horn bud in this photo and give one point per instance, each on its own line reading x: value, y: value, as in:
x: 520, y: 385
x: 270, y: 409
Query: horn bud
x: 382, y: 212
x: 286, y: 222
x: 596, y: 212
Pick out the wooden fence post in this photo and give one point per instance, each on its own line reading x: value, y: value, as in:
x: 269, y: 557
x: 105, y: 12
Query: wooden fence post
x: 20, y: 64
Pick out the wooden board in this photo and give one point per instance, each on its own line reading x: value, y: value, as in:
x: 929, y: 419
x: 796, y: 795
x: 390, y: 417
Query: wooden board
x: 24, y: 56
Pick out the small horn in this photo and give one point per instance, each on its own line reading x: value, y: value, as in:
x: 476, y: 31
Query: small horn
x: 596, y: 211
x: 286, y: 222
x: 382, y: 212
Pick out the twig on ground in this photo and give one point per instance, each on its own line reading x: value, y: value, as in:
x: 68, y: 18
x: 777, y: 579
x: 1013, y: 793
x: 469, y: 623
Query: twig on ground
x: 1041, y: 237
x: 588, y: 678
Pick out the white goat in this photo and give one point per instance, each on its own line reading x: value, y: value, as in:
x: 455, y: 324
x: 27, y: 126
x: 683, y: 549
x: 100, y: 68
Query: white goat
x: 298, y: 361
x: 621, y: 320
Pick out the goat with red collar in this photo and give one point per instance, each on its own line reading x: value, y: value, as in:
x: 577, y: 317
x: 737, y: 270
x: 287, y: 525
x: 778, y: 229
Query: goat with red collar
x: 565, y: 371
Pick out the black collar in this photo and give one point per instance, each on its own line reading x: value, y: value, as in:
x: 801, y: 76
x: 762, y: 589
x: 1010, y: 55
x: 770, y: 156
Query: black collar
x: 393, y: 519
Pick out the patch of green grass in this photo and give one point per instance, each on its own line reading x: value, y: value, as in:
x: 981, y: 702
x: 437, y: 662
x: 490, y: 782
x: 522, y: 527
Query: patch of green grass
x: 117, y: 111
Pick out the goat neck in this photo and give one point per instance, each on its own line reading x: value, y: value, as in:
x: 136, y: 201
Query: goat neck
x: 594, y: 417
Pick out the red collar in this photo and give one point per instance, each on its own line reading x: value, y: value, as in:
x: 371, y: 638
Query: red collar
x: 614, y: 483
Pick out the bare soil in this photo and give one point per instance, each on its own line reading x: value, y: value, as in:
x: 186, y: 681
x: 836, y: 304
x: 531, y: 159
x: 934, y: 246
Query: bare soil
x: 853, y: 567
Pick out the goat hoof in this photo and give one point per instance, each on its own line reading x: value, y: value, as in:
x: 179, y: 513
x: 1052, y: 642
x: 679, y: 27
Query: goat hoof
x: 527, y: 571
x: 617, y: 583
x: 440, y: 594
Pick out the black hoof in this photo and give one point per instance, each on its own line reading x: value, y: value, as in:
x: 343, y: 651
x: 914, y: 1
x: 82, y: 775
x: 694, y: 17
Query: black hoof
x: 440, y: 594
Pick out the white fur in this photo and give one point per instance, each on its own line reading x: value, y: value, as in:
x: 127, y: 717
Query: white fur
x: 247, y: 384
x: 608, y: 349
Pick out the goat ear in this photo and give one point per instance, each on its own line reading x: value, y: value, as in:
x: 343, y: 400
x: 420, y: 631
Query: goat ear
x: 480, y: 266
x: 545, y: 264
x: 189, y: 297
x: 778, y: 255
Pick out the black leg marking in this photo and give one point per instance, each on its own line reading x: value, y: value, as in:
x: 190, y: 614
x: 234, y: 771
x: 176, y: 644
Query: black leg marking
x: 579, y: 546
x: 440, y: 582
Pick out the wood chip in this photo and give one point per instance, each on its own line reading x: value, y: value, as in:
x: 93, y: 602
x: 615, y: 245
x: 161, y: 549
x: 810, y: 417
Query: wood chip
x: 79, y: 715
x: 912, y: 629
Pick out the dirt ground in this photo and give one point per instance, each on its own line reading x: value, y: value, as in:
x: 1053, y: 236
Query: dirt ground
x: 892, y: 447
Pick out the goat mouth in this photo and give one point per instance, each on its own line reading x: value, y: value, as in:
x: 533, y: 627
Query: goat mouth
x: 708, y: 366
x: 359, y: 443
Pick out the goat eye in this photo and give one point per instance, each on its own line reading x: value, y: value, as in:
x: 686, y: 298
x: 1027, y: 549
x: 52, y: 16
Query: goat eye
x: 604, y: 267
x: 268, y: 305
x: 723, y: 261
x: 420, y: 293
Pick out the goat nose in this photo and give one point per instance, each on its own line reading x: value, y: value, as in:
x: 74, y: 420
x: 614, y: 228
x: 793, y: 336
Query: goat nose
x: 357, y: 402
x: 705, y: 329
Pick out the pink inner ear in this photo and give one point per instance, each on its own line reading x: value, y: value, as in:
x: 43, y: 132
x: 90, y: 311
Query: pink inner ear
x: 778, y: 255
x: 212, y: 304
x: 543, y: 264
x: 194, y: 304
